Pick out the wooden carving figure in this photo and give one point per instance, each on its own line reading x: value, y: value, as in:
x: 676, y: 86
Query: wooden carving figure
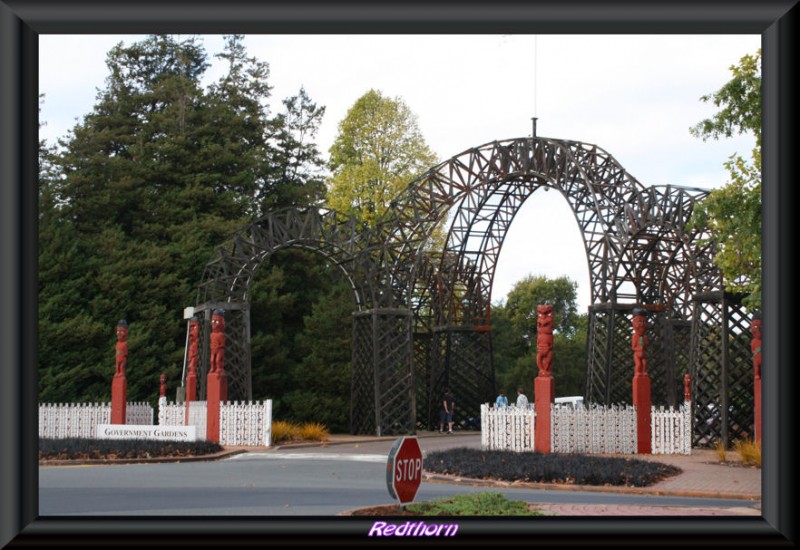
x: 121, y: 348
x: 544, y: 339
x: 194, y: 338
x: 218, y: 341
x: 639, y: 344
x: 755, y: 346
x: 162, y: 390
x: 687, y: 387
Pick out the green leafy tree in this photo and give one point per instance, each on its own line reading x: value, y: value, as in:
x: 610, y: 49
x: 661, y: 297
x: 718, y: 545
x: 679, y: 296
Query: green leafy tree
x: 514, y: 335
x: 378, y: 151
x: 732, y: 213
x: 535, y: 290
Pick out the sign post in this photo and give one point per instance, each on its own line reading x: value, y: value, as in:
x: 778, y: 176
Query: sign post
x: 404, y: 470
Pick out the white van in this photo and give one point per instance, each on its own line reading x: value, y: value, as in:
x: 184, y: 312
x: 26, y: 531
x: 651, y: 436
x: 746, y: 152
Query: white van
x: 572, y: 402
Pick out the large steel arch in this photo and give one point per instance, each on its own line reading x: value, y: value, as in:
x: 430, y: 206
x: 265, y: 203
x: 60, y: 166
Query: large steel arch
x: 638, y: 250
x: 406, y: 282
x: 482, y: 189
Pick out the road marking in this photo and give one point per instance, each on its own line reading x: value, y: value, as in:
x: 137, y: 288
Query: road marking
x: 311, y: 456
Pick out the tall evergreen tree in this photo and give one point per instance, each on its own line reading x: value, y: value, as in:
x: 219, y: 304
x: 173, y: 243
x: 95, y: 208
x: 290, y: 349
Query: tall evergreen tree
x: 155, y: 177
x: 145, y: 187
x: 295, y: 176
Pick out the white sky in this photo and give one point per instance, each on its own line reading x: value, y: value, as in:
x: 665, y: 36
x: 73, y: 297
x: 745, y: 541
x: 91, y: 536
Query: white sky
x: 635, y: 96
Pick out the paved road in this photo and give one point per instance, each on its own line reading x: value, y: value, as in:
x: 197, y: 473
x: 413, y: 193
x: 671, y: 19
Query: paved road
x: 316, y: 481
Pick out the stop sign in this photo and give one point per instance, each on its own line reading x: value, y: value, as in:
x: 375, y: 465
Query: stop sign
x: 404, y: 469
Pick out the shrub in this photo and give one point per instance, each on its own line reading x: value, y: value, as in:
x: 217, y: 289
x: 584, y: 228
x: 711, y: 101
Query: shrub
x: 719, y: 448
x: 82, y: 448
x: 284, y: 431
x: 478, y: 504
x: 749, y: 450
x: 313, y: 432
x: 548, y: 468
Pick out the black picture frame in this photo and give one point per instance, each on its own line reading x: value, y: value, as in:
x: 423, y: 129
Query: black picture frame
x: 21, y: 22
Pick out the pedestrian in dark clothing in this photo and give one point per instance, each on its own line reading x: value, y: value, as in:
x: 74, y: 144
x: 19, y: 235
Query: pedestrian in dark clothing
x: 448, y: 405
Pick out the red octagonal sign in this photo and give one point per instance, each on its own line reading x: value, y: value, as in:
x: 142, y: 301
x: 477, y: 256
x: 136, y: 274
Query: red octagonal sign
x: 404, y: 469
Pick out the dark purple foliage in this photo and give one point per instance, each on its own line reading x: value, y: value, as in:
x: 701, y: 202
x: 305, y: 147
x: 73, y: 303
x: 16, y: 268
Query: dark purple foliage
x: 578, y: 469
x: 76, y: 448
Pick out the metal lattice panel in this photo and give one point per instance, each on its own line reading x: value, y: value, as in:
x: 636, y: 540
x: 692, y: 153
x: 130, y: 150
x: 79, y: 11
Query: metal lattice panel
x: 610, y: 357
x: 722, y: 375
x: 461, y: 361
x: 362, y: 381
x: 423, y: 343
x: 383, y: 400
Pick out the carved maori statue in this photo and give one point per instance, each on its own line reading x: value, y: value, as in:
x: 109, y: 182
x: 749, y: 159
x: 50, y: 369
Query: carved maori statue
x: 194, y: 338
x: 687, y: 387
x: 218, y: 341
x: 639, y: 342
x: 162, y: 390
x: 544, y: 339
x: 755, y: 346
x: 121, y: 348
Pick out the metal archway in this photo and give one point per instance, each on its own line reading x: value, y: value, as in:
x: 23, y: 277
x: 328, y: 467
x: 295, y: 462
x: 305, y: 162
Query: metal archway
x: 432, y: 300
x: 228, y: 277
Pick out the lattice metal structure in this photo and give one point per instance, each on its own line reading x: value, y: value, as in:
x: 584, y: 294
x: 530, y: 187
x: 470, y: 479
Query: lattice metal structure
x: 638, y: 248
x: 610, y: 359
x: 459, y: 362
x: 383, y: 395
x: 228, y: 276
x: 722, y: 370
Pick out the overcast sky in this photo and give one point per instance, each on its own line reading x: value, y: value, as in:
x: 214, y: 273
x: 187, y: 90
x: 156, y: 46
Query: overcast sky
x: 633, y: 96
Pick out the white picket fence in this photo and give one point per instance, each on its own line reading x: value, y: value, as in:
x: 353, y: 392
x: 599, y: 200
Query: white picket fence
x: 671, y: 430
x: 246, y: 423
x: 61, y: 420
x: 508, y: 428
x: 595, y: 429
x: 172, y: 414
x: 197, y: 417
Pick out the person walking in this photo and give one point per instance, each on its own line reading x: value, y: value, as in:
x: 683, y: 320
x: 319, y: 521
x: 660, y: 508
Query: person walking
x: 448, y: 406
x: 502, y: 400
x: 522, y: 399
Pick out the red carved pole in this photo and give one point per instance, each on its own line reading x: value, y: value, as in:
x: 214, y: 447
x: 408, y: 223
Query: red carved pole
x: 641, y: 382
x: 687, y: 387
x: 191, y: 376
x: 544, y: 384
x: 119, y: 385
x: 162, y: 388
x: 217, y: 380
x: 755, y: 347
